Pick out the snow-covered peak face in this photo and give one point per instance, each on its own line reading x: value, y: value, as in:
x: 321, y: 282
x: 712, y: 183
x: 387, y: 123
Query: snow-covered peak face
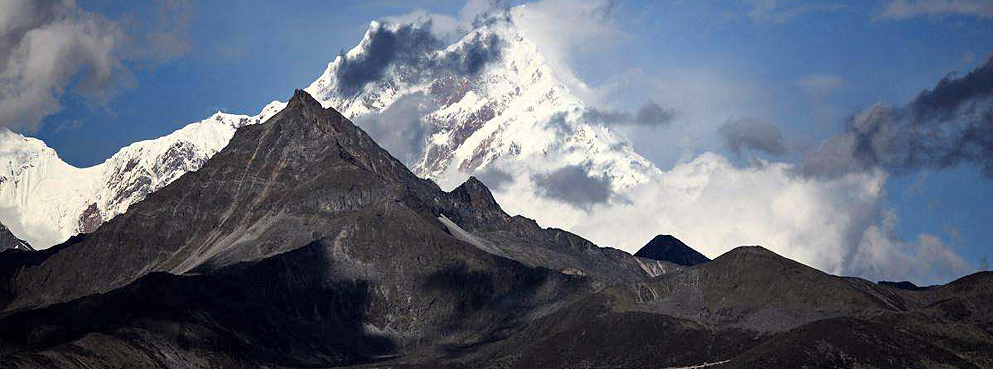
x: 393, y: 57
x: 18, y: 148
x: 18, y: 152
x: 451, y: 110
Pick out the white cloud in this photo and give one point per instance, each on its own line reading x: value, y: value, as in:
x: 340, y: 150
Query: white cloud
x: 906, y: 9
x: 562, y: 27
x: 704, y: 97
x: 564, y: 30
x: 928, y: 258
x: 837, y: 225
x: 704, y: 199
x: 447, y: 26
x: 567, y: 30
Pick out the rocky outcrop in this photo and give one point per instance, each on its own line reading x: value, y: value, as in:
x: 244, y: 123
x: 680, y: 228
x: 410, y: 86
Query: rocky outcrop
x: 671, y: 249
x: 9, y: 242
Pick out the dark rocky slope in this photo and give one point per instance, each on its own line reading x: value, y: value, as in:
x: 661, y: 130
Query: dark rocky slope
x: 751, y: 287
x: 10, y: 242
x: 278, y: 186
x: 669, y: 248
x: 304, y: 244
x: 216, y: 257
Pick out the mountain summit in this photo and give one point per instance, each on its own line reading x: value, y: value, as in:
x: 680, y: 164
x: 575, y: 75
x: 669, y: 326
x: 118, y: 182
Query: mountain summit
x: 671, y: 249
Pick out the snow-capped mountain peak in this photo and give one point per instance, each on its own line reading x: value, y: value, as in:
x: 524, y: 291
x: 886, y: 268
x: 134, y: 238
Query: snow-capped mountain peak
x: 489, y: 101
x: 490, y: 96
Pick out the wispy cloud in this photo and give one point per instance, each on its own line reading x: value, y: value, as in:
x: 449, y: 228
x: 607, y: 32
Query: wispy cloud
x: 782, y: 10
x: 650, y: 114
x: 820, y: 84
x: 906, y: 9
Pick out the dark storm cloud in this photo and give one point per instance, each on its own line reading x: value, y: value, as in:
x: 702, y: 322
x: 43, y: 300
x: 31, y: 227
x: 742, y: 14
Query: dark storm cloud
x: 753, y: 134
x: 573, y: 185
x: 410, y: 46
x: 651, y: 114
x: 948, y: 125
x: 402, y: 128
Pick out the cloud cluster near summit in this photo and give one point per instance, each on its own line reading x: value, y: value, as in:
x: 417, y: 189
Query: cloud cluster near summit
x: 650, y: 114
x: 411, y: 46
x: 573, y: 184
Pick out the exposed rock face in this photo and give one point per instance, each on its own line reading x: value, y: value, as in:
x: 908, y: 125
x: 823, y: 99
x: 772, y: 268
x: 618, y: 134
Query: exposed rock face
x: 304, y: 244
x: 9, y: 242
x: 671, y: 249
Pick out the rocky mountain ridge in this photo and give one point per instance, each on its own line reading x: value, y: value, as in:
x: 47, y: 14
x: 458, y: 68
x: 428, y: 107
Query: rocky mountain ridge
x: 302, y: 243
x: 9, y: 242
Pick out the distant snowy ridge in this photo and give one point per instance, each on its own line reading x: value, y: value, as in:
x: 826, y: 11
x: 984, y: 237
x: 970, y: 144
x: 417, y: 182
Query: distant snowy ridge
x: 45, y: 200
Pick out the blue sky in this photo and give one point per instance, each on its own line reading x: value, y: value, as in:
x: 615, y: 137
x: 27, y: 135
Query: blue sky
x: 802, y: 66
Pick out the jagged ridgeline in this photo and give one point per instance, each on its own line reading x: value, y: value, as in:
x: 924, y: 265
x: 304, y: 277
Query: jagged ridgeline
x: 302, y: 243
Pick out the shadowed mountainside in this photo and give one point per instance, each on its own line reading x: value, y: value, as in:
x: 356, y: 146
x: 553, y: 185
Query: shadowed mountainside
x: 304, y: 244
